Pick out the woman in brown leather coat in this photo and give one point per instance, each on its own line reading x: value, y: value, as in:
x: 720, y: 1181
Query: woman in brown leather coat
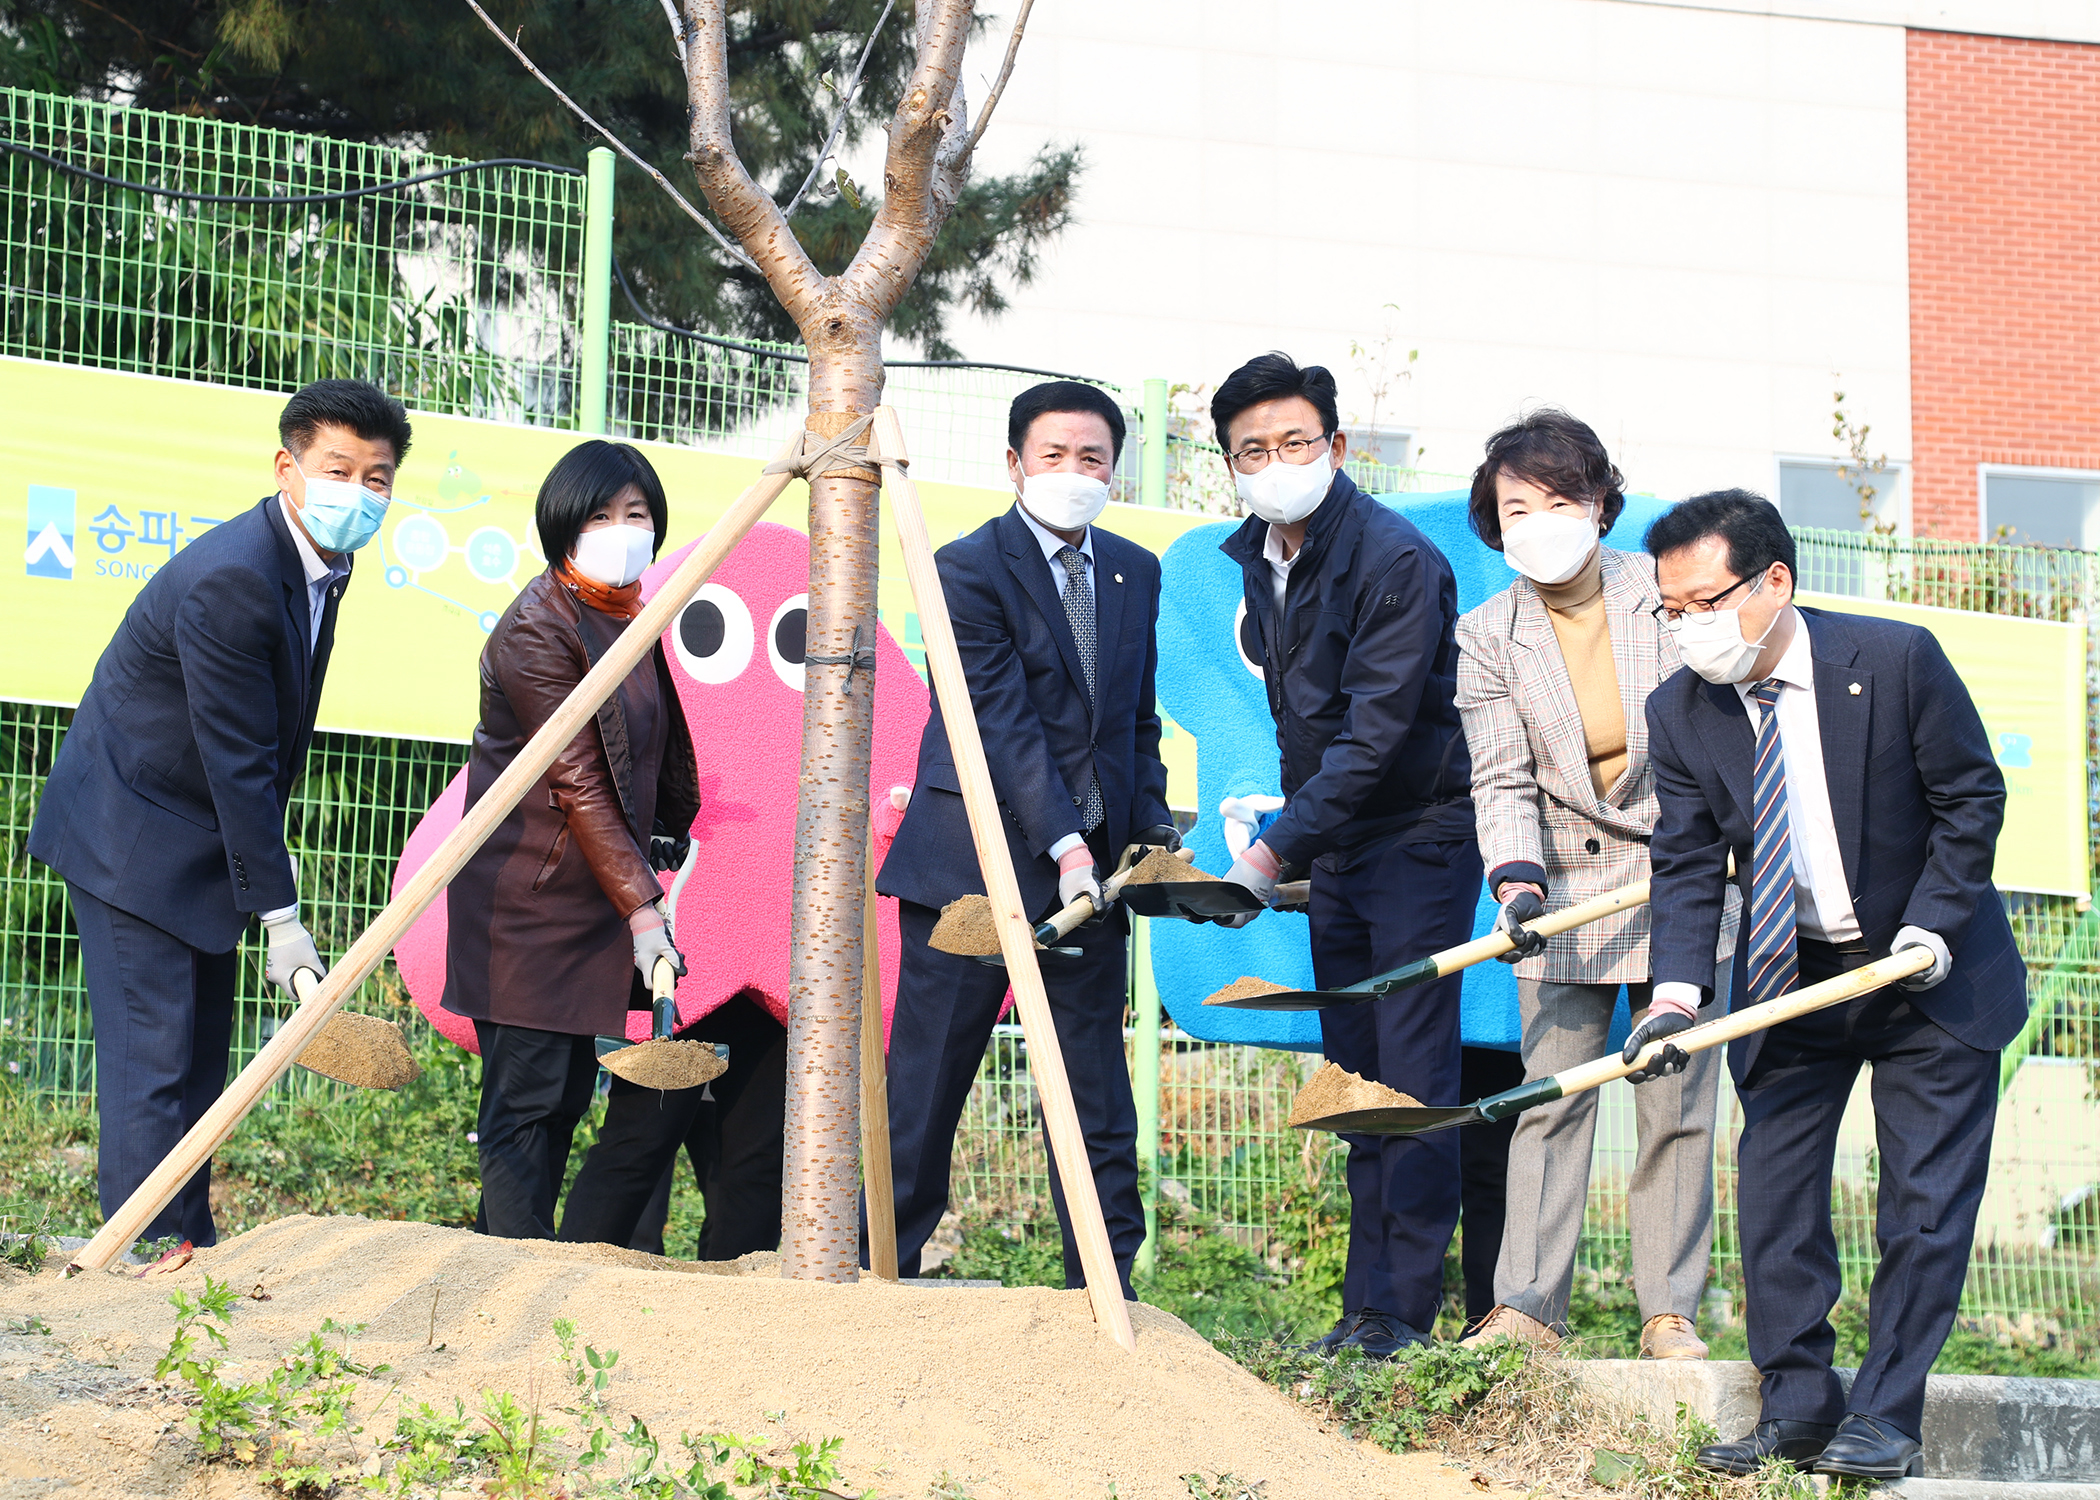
x: 553, y: 920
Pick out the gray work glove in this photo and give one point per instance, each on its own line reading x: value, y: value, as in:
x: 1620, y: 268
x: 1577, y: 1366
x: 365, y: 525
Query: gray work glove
x: 1672, y: 1059
x: 291, y: 948
x: 1255, y: 873
x: 1080, y: 880
x: 652, y: 943
x: 1933, y: 943
x: 1523, y: 905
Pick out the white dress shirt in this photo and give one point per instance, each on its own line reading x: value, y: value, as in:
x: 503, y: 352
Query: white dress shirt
x: 320, y: 576
x: 1822, y: 899
x: 1279, y: 565
x: 1052, y: 544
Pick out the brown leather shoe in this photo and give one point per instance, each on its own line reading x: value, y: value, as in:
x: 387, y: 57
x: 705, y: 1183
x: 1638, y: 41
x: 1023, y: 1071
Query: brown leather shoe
x: 1506, y: 1322
x: 1670, y: 1336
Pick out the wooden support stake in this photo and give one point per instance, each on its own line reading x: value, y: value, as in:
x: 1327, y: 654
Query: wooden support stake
x: 366, y: 954
x: 1046, y: 1062
x: 876, y: 1184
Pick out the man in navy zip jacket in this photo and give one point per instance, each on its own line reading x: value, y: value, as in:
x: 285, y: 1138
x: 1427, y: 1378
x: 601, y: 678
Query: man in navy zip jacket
x: 165, y: 807
x: 1055, y: 620
x: 1840, y: 760
x: 1356, y: 612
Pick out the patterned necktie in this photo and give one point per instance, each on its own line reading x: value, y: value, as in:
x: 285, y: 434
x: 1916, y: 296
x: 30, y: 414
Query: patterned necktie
x: 1079, y: 614
x: 1774, y: 966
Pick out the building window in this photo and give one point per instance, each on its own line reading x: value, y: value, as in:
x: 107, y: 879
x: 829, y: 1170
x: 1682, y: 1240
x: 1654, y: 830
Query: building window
x: 1817, y: 493
x: 2040, y: 507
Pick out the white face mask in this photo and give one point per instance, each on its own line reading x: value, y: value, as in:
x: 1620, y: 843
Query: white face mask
x: 1282, y: 493
x: 1063, y: 500
x: 1713, y: 646
x: 614, y: 555
x: 1549, y: 546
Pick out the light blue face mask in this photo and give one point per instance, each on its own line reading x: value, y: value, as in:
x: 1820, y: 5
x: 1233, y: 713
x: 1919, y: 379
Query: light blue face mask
x: 340, y: 516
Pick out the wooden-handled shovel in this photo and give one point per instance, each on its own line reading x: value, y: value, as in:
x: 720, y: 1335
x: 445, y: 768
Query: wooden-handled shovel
x: 124, y: 1226
x: 1415, y: 1119
x: 1241, y: 996
x: 966, y: 926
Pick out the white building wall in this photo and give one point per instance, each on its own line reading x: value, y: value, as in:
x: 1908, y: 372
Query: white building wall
x: 1680, y: 224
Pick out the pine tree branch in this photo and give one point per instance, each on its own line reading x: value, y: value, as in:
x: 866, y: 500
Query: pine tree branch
x: 729, y: 246
x: 838, y: 121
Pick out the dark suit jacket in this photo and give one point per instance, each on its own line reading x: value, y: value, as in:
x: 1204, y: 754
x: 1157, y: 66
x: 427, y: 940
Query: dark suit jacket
x: 1043, y: 741
x: 1914, y: 791
x: 167, y: 798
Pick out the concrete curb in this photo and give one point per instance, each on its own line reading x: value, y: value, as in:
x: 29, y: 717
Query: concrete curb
x: 2002, y: 1430
x: 1979, y: 1489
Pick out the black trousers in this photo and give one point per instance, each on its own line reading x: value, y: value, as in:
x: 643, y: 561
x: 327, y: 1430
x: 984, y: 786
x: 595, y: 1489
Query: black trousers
x: 535, y: 1086
x: 946, y: 1006
x: 1374, y: 910
x: 1935, y: 1102
x: 734, y: 1141
x: 1483, y: 1167
x: 163, y: 1024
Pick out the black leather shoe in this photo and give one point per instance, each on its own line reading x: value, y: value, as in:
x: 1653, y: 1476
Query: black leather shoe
x: 1380, y: 1335
x: 1333, y: 1338
x: 1796, y: 1442
x: 1869, y: 1448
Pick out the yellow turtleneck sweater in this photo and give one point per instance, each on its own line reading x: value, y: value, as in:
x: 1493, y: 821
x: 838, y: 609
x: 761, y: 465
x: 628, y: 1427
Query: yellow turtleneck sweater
x: 1576, y: 609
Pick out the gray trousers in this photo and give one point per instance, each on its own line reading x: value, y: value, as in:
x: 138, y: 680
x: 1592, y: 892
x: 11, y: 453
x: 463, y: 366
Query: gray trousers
x: 1671, y: 1196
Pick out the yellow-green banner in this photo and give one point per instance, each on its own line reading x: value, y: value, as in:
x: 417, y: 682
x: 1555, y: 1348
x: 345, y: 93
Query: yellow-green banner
x: 2028, y: 680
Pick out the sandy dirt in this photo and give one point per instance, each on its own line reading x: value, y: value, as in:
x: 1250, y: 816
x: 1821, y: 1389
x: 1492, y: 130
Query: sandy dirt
x: 1335, y: 1090
x: 1246, y: 987
x: 664, y: 1064
x: 1012, y: 1393
x: 1162, y: 868
x: 363, y: 1050
x: 966, y: 927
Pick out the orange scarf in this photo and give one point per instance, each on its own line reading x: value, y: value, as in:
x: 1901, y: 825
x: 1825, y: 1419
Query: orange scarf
x: 621, y: 604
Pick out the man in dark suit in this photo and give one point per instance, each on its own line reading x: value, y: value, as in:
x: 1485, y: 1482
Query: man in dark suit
x: 1356, y: 613
x: 1841, y: 761
x: 165, y: 808
x: 1055, y: 621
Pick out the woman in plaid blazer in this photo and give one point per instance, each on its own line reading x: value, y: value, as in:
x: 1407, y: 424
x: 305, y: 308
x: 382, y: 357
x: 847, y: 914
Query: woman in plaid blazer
x: 1553, y: 679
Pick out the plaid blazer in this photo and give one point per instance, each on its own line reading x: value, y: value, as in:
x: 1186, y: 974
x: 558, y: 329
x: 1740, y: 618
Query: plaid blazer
x: 1531, y: 769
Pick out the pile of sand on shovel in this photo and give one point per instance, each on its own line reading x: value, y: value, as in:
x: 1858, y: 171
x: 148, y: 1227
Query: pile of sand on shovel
x: 1246, y: 987
x: 661, y: 1063
x: 1335, y: 1090
x: 966, y: 926
x: 360, y: 1049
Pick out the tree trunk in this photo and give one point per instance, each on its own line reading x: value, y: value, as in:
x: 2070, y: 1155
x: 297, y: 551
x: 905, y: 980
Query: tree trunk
x: 820, y: 1190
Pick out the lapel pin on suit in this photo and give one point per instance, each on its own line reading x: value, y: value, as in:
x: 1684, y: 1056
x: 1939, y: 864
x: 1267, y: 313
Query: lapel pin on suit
x: 1853, y: 690
x: 1119, y: 578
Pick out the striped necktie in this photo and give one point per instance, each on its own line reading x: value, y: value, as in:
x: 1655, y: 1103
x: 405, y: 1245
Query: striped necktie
x: 1079, y: 614
x: 1774, y: 965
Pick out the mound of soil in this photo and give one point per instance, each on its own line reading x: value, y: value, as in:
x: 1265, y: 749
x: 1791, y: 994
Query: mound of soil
x: 1334, y: 1090
x: 1013, y: 1393
x: 1162, y: 868
x: 966, y: 927
x: 1246, y: 987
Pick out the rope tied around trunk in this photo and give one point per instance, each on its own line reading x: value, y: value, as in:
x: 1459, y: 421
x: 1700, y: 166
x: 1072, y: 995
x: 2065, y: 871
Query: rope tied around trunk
x: 859, y: 659
x: 819, y: 456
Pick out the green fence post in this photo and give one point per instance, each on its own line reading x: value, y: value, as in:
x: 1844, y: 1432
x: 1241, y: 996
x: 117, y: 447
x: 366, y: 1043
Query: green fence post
x: 1145, y: 1050
x: 1152, y: 476
x: 594, y: 365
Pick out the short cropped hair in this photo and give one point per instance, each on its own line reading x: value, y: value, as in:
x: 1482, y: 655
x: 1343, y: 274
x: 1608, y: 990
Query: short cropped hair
x: 1557, y: 453
x: 1272, y: 377
x: 1065, y: 396
x: 585, y: 478
x: 356, y: 404
x: 1748, y: 522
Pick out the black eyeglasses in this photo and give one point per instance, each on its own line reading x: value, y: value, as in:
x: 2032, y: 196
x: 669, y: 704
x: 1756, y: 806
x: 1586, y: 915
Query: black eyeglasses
x: 1671, y: 616
x: 1254, y: 460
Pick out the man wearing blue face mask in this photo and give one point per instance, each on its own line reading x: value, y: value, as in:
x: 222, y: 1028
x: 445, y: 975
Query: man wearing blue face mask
x: 165, y: 806
x: 1055, y: 621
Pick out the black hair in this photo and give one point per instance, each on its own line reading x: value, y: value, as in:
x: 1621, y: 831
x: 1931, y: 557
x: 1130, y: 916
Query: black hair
x: 1066, y: 396
x: 582, y: 480
x: 1558, y: 454
x: 1748, y: 522
x: 1271, y: 377
x: 356, y: 404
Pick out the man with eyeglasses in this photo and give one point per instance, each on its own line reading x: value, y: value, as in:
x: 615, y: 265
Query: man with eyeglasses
x: 1355, y: 611
x: 1840, y: 760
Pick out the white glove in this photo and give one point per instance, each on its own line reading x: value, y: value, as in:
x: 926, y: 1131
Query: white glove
x: 1242, y: 816
x: 1076, y: 878
x: 1257, y: 870
x: 291, y: 948
x: 652, y: 940
x: 1933, y: 943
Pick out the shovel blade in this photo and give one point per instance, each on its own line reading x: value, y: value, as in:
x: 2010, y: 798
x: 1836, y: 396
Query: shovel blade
x: 1293, y: 1000
x: 1190, y: 898
x: 363, y: 1051
x: 1398, y: 1120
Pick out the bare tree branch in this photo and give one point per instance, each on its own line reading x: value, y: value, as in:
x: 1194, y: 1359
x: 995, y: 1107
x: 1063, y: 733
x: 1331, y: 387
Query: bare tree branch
x: 747, y: 209
x: 1006, y: 71
x: 735, y: 252
x: 677, y: 30
x: 838, y: 121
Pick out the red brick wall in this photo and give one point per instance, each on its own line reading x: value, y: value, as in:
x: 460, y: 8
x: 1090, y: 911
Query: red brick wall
x: 2004, y: 264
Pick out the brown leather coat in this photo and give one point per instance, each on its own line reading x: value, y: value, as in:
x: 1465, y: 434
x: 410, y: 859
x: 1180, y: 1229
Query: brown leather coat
x: 537, y: 921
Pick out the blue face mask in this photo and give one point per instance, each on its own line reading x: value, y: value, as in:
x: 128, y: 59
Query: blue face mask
x: 340, y: 516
